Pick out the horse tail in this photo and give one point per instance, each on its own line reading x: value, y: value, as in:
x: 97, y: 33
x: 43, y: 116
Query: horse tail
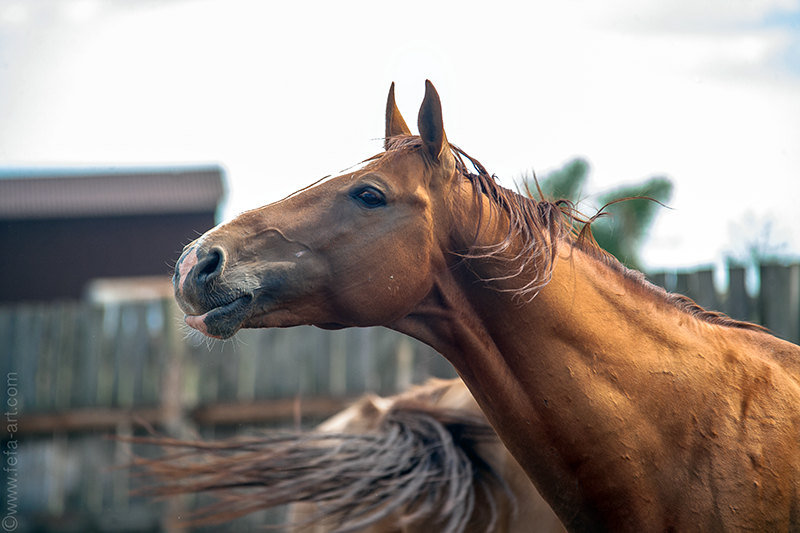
x: 420, y: 464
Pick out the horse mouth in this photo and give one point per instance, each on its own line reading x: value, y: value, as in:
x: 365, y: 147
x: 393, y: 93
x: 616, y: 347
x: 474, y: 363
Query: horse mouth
x: 224, y: 321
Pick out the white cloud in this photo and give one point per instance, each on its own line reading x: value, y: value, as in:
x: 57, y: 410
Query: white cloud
x: 284, y: 94
x: 13, y: 14
x: 688, y: 16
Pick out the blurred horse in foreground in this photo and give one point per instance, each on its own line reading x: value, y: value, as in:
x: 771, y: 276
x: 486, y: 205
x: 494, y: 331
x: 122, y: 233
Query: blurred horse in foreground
x: 424, y: 460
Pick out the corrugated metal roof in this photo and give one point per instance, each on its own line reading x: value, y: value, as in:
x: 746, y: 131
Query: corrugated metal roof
x: 112, y: 192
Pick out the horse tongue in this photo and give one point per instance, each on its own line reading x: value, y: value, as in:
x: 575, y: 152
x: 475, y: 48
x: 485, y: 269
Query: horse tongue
x: 198, y: 322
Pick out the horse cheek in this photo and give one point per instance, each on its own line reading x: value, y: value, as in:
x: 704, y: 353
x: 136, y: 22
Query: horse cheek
x: 378, y: 296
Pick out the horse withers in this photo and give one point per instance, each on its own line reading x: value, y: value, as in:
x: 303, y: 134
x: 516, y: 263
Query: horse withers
x: 629, y: 408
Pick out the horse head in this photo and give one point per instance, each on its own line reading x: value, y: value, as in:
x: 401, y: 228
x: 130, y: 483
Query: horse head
x: 358, y: 249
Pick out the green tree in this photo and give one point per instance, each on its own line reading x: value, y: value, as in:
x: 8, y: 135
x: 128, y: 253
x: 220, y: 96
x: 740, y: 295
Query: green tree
x: 622, y: 228
x: 567, y: 181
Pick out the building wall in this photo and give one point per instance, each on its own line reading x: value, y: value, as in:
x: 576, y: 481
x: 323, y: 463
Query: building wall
x: 53, y: 259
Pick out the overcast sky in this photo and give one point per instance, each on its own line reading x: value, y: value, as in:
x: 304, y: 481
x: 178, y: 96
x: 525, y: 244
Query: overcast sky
x: 282, y: 93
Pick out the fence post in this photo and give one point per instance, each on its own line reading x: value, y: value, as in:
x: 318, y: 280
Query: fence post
x: 737, y: 301
x: 779, y: 300
x: 699, y: 286
x: 658, y: 278
x: 172, y: 408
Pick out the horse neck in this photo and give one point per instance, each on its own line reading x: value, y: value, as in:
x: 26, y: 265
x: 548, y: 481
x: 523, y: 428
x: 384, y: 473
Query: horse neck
x: 566, y: 364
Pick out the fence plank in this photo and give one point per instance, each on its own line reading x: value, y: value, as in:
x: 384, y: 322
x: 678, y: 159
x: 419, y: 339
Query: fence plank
x: 780, y: 300
x: 659, y: 279
x: 699, y: 286
x: 738, y: 304
x: 48, y: 362
x: 87, y: 364
x: 66, y: 353
x: 704, y: 290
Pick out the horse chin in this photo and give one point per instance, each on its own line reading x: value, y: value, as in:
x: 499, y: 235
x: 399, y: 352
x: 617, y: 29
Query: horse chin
x: 331, y: 326
x: 224, y: 321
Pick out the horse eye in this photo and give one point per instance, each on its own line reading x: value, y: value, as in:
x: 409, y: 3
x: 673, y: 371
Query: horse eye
x: 370, y: 197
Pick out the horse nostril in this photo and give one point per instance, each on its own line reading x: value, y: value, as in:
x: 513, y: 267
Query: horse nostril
x: 211, y: 265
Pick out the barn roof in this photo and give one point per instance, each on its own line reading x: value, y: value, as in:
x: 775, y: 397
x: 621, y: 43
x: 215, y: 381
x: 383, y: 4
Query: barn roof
x: 74, y: 193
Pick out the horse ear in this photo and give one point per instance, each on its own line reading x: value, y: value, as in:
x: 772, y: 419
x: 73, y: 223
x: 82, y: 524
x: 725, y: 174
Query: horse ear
x: 395, y: 125
x: 430, y: 123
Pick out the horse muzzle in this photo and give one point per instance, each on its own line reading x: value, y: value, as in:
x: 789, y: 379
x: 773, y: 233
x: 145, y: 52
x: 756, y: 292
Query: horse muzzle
x: 211, y: 306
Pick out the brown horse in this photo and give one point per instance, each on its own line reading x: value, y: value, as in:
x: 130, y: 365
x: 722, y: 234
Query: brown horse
x: 419, y: 461
x: 630, y: 409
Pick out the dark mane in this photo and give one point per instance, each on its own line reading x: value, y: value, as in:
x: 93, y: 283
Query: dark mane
x: 540, y: 226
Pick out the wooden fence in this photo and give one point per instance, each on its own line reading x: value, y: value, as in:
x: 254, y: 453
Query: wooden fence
x: 77, y: 372
x: 775, y: 304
